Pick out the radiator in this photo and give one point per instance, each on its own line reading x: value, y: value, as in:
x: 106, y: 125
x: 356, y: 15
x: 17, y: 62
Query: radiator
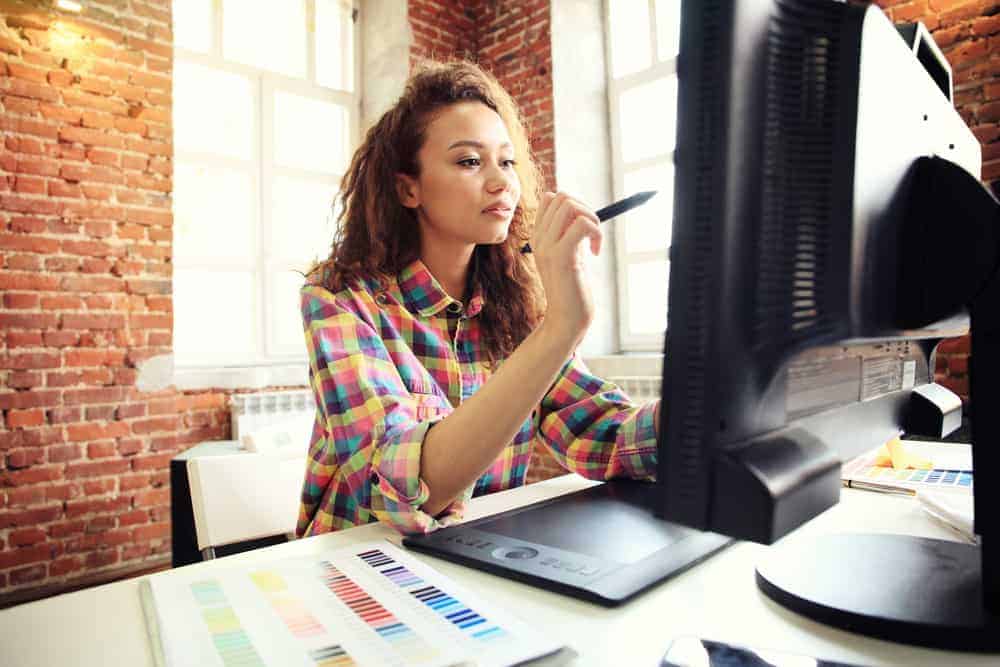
x: 252, y: 411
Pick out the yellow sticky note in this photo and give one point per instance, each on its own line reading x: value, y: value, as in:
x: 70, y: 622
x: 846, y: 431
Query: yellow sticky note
x: 894, y: 454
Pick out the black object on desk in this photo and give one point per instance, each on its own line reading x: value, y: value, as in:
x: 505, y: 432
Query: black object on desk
x: 602, y: 544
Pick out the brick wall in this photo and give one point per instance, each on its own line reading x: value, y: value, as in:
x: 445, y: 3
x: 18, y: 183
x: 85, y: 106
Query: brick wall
x: 512, y: 40
x: 968, y: 31
x: 85, y: 278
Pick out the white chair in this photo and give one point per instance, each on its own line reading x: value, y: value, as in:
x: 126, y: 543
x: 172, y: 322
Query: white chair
x: 240, y: 496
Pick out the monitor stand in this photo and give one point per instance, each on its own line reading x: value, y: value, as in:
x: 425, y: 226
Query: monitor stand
x: 912, y: 590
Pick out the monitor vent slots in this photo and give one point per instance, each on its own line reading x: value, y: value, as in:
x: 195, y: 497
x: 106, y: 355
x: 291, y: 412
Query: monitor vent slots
x: 797, y: 187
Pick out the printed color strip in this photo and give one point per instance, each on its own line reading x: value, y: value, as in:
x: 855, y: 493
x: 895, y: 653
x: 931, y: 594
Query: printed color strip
x: 228, y: 636
x: 399, y: 635
x: 451, y: 609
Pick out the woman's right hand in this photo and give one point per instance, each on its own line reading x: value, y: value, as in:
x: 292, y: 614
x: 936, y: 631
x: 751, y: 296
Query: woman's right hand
x: 562, y: 226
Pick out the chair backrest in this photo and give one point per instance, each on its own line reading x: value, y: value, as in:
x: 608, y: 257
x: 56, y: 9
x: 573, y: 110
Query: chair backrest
x: 244, y: 496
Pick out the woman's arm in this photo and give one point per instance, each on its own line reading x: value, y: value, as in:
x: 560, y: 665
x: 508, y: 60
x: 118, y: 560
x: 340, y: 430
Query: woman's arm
x: 458, y: 449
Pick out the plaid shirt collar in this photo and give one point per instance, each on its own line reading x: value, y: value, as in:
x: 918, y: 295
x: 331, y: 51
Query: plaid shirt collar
x: 423, y: 294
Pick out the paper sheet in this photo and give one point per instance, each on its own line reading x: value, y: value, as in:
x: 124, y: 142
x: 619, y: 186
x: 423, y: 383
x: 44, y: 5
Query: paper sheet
x: 369, y: 604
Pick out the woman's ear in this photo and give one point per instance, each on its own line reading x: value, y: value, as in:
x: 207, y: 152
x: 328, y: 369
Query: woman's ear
x: 408, y: 191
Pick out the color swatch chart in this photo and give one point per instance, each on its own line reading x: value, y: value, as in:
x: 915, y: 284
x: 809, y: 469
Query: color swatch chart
x: 474, y: 624
x: 371, y: 604
x: 952, y: 472
x: 924, y: 479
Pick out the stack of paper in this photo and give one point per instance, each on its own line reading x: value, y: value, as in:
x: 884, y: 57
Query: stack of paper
x: 370, y: 604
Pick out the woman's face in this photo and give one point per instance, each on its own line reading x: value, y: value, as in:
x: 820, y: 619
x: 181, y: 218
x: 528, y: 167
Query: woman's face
x: 467, y: 189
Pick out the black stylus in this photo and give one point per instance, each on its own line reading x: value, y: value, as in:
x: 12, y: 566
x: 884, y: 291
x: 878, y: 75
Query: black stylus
x: 614, y: 210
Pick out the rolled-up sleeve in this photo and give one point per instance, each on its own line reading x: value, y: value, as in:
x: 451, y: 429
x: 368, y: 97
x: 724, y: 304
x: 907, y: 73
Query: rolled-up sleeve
x: 594, y: 429
x: 368, y: 458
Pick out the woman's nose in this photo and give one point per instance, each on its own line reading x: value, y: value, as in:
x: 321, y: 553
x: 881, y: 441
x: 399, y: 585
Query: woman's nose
x: 498, y: 181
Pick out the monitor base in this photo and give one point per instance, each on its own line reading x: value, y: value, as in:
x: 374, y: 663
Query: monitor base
x: 911, y: 590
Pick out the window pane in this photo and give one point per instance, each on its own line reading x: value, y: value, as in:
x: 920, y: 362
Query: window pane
x: 302, y: 219
x: 263, y: 34
x: 630, y: 47
x: 213, y: 212
x: 334, y: 44
x: 648, y: 119
x: 213, y: 111
x: 285, y: 315
x: 668, y: 28
x: 193, y: 24
x: 310, y: 134
x: 219, y: 303
x: 648, y: 227
x: 647, y: 294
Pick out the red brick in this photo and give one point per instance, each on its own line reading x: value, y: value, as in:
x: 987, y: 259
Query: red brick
x: 24, y: 379
x: 65, y: 415
x: 26, y: 537
x: 99, y: 487
x: 30, y: 360
x: 64, y: 566
x: 29, y: 517
x: 58, y: 113
x: 31, y: 89
x: 25, y: 458
x: 96, y: 469
x: 27, y: 320
x: 20, y: 105
x: 62, y: 302
x: 24, y: 263
x: 29, y: 225
x: 33, y: 475
x: 64, y: 189
x: 152, y: 462
x: 27, y: 575
x: 89, y: 137
x: 38, y: 244
x: 134, y: 551
x: 61, y: 78
x: 16, y: 339
x: 152, y: 498
x: 131, y: 482
x: 25, y: 496
x: 20, y: 301
x: 64, y: 453
x: 156, y: 531
x: 90, y: 431
x: 38, y: 166
x: 21, y: 400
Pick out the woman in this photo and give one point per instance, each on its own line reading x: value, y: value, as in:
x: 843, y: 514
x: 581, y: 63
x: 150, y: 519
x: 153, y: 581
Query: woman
x: 426, y: 314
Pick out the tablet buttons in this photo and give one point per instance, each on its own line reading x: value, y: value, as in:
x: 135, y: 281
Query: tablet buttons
x: 515, y: 553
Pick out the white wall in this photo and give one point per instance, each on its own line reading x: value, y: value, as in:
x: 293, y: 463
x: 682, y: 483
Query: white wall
x: 385, y: 56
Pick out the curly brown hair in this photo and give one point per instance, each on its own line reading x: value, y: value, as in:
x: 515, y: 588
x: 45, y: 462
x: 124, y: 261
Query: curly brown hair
x: 377, y: 236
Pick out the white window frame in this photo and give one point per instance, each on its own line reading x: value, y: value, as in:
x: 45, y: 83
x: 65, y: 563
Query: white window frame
x: 269, y: 367
x: 630, y: 340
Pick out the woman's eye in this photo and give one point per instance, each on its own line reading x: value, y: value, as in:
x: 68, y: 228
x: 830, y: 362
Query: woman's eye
x: 469, y: 162
x: 509, y: 163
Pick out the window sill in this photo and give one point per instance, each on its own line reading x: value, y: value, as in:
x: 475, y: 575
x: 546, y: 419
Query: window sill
x: 243, y: 377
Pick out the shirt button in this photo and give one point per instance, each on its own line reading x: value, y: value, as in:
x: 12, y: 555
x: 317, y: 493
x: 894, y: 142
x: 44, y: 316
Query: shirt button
x: 455, y: 307
x: 382, y: 298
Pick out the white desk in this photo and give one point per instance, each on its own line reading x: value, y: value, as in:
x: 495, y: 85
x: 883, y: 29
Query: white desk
x: 716, y: 599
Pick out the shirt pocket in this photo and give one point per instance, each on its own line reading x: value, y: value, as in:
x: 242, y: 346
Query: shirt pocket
x: 429, y: 406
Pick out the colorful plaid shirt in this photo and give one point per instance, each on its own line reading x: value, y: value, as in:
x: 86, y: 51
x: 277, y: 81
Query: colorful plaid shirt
x: 385, y: 365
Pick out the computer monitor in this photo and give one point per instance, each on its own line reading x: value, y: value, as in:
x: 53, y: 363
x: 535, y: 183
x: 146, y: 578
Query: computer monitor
x: 829, y: 230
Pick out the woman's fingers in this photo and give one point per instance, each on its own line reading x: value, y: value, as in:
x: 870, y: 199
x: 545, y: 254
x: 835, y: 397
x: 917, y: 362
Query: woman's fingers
x: 562, y: 211
x: 542, y: 219
x: 583, y: 228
